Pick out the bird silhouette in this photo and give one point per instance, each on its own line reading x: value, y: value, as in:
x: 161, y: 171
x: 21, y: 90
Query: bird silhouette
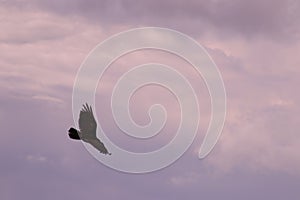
x: 88, y: 128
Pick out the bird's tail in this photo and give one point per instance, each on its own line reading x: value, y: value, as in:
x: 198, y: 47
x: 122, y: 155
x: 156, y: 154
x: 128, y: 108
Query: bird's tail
x: 73, y: 133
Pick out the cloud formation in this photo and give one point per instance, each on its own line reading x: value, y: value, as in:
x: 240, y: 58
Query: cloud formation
x: 255, y: 45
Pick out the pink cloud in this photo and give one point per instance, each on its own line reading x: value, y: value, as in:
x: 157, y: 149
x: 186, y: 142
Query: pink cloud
x: 255, y: 45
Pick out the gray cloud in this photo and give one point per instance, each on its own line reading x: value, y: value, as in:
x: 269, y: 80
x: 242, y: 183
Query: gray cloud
x: 257, y: 156
x: 275, y: 19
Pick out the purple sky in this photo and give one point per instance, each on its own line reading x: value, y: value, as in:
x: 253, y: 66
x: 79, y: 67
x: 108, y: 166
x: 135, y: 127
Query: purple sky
x: 256, y: 47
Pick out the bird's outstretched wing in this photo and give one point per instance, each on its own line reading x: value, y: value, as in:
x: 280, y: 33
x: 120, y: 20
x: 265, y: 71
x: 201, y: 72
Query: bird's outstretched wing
x: 87, y: 122
x: 99, y: 145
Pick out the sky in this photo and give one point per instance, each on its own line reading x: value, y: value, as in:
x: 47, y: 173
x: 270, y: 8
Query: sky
x: 255, y: 45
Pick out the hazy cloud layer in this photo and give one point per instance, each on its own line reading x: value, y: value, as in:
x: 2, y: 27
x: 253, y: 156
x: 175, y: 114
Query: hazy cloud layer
x: 255, y: 45
x: 276, y: 19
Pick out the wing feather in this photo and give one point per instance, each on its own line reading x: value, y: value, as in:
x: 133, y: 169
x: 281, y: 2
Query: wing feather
x: 99, y: 145
x: 87, y: 122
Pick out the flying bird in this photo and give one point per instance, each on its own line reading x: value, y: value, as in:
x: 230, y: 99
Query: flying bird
x: 87, y: 132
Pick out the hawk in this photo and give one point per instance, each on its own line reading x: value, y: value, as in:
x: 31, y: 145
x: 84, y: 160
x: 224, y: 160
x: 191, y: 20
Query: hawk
x: 87, y: 132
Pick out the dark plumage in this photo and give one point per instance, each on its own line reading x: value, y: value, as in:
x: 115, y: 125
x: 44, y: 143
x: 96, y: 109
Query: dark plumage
x: 88, y: 128
x: 73, y: 134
